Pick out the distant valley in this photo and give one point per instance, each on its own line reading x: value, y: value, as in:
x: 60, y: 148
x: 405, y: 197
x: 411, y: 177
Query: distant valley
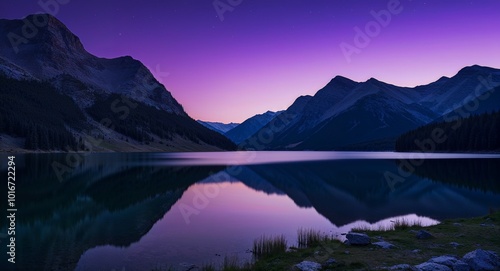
x: 238, y: 133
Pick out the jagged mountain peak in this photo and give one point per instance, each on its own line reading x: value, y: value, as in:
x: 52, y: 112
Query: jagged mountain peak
x: 474, y: 69
x: 303, y: 98
x: 52, y: 21
x: 74, y: 91
x: 247, y: 128
x: 443, y: 78
x: 219, y: 127
x: 54, y: 49
x: 373, y: 81
x: 51, y: 34
x: 347, y: 115
x: 268, y: 112
x: 341, y: 80
x: 299, y: 103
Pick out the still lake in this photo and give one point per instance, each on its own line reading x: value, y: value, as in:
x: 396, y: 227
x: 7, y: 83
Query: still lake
x: 138, y: 211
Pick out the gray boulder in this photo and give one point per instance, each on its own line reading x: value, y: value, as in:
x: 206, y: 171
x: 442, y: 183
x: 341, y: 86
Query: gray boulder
x: 308, y: 266
x: 454, y: 244
x: 384, y: 244
x: 358, y: 239
x: 432, y: 267
x: 482, y: 260
x: 452, y: 262
x: 421, y: 234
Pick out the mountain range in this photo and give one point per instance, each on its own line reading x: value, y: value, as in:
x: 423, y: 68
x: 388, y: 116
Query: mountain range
x: 219, y: 127
x: 250, y: 126
x: 119, y: 93
x: 239, y: 132
x: 57, y: 96
x: 370, y: 115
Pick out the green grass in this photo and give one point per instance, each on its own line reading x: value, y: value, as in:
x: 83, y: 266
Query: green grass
x: 230, y: 264
x: 472, y: 233
x: 368, y: 228
x: 208, y: 267
x: 311, y: 237
x: 269, y: 246
x: 403, y: 224
x: 469, y: 233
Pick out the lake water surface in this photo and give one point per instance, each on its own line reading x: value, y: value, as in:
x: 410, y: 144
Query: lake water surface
x: 142, y: 211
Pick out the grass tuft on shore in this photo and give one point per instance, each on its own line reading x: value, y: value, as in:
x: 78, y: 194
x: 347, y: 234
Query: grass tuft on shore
x: 269, y: 246
x: 452, y: 237
x: 403, y: 224
x: 311, y: 237
x: 455, y: 237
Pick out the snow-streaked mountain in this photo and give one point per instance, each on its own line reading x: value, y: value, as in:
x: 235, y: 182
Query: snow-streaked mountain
x: 446, y: 94
x: 250, y: 126
x: 371, y: 114
x: 219, y: 127
x: 55, y: 51
x: 54, y: 91
x: 11, y: 70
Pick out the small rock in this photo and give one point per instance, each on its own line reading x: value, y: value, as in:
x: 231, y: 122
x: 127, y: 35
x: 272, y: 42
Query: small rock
x: 457, y: 224
x: 482, y: 260
x: 347, y: 252
x: 452, y: 262
x: 358, y: 239
x: 404, y: 267
x: 308, y: 266
x: 432, y: 267
x: 384, y: 244
x: 421, y: 234
x: 329, y: 262
x: 454, y: 244
x: 416, y: 251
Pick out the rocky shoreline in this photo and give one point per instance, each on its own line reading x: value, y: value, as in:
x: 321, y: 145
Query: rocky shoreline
x: 475, y: 260
x: 470, y: 244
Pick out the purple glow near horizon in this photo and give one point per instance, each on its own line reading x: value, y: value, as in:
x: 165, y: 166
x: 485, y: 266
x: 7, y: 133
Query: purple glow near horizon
x: 267, y: 53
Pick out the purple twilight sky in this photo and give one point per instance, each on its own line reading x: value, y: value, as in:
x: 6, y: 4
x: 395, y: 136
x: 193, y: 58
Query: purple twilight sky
x: 265, y: 53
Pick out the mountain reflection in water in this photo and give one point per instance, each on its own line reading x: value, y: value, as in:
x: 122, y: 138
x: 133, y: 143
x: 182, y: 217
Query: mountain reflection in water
x: 139, y: 211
